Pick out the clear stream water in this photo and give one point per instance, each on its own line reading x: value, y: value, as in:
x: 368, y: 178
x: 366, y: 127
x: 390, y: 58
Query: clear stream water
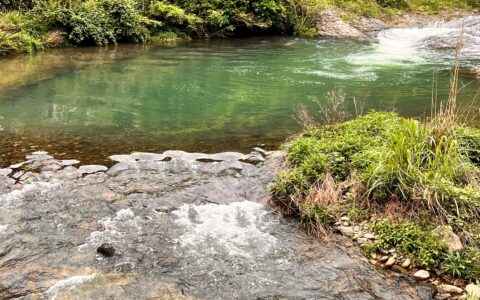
x: 207, y: 96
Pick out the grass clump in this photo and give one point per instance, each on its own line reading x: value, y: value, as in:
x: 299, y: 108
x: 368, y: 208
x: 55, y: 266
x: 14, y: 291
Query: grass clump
x: 381, y: 165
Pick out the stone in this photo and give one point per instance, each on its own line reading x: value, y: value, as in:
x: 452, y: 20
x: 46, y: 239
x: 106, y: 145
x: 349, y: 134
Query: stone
x: 446, y: 235
x: 106, y: 249
x: 253, y: 158
x: 406, y: 263
x: 69, y: 162
x: 451, y: 289
x: 90, y: 169
x: 390, y: 262
x: 384, y: 258
x: 329, y: 24
x: 369, y: 236
x: 117, y: 169
x: 473, y: 291
x: 260, y: 150
x: 346, y: 231
x: 422, y: 274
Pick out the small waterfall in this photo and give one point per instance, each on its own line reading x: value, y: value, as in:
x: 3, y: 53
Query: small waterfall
x: 421, y: 45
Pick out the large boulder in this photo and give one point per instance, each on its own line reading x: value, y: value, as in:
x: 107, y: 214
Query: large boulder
x: 329, y: 24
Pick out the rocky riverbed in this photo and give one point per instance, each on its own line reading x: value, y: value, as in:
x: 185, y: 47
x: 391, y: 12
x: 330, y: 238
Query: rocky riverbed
x: 174, y: 225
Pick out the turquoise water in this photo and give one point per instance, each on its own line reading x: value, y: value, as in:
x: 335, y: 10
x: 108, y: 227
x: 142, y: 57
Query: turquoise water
x: 202, y: 96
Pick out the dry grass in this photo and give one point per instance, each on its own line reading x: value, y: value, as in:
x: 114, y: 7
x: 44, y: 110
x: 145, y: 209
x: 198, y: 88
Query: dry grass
x: 55, y: 38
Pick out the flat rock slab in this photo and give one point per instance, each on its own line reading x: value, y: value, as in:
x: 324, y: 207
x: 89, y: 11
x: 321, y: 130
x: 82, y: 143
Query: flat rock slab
x: 192, y: 226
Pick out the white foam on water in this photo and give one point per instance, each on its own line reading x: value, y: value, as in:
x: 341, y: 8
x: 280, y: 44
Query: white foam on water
x: 407, y: 46
x: 115, y: 228
x: 16, y: 196
x: 69, y: 283
x: 237, y: 229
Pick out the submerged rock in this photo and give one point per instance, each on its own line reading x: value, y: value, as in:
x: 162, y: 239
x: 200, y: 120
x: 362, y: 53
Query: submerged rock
x: 185, y: 228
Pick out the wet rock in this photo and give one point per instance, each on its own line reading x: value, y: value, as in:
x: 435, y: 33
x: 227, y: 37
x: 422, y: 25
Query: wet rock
x: 473, y: 291
x: 450, y: 289
x: 254, y: 158
x: 260, y: 150
x: 447, y: 236
x: 117, y: 169
x: 69, y: 162
x: 106, y: 249
x: 329, y: 24
x: 422, y: 274
x: 90, y: 169
x: 18, y: 174
x: 204, y: 227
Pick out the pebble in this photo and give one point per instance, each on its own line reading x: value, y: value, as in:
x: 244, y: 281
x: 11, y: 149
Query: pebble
x: 422, y: 274
x: 390, y: 262
x: 407, y: 263
x: 451, y: 289
x: 106, y: 249
x: 369, y: 236
x: 384, y: 258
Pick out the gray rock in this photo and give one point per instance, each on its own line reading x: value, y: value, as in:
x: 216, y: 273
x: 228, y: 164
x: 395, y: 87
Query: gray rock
x: 447, y: 236
x: 69, y: 162
x: 90, y: 169
x: 117, y: 169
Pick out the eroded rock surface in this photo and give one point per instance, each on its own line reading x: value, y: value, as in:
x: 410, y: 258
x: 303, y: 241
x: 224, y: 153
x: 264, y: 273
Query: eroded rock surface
x: 178, y: 226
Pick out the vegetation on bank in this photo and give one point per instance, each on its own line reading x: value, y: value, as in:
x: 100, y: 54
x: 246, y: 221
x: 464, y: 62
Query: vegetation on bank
x: 27, y: 26
x: 403, y: 176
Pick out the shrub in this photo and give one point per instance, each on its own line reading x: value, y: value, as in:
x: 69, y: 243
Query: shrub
x: 106, y: 21
x: 410, y: 239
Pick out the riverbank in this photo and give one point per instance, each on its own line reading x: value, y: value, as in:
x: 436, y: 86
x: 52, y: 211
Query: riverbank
x: 50, y: 24
x: 172, y: 225
x: 406, y: 192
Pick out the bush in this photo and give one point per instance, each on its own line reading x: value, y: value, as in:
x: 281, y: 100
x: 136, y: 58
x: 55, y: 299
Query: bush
x: 395, y: 161
x: 106, y: 21
x: 216, y: 18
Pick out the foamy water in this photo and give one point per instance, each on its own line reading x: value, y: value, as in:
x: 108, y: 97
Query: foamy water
x: 238, y: 229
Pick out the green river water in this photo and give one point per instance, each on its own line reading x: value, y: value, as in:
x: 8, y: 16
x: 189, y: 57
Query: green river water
x: 207, y: 96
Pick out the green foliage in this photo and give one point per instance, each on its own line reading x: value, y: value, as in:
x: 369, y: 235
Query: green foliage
x: 465, y: 264
x: 103, y: 22
x: 410, y: 239
x: 215, y: 18
x: 392, y: 158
